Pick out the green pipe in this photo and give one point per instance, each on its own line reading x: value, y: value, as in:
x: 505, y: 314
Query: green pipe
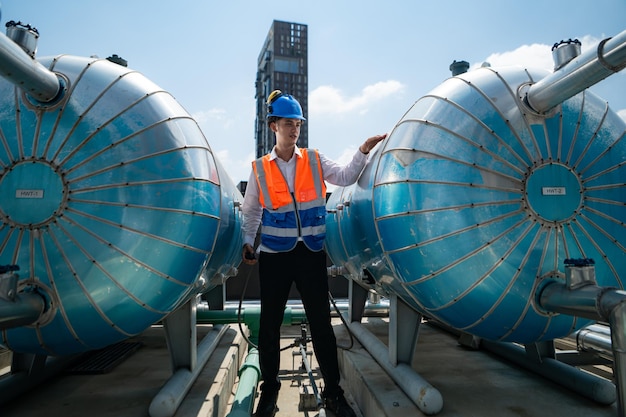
x: 205, y: 316
x: 249, y: 316
x: 250, y: 373
x: 249, y: 376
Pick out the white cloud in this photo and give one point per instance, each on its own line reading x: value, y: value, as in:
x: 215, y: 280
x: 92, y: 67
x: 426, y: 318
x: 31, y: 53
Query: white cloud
x: 346, y: 155
x: 207, y: 119
x: 328, y: 100
x: 211, y: 114
x: 238, y: 169
x: 536, y: 55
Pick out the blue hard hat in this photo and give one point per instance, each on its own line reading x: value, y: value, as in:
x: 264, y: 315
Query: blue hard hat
x: 283, y: 105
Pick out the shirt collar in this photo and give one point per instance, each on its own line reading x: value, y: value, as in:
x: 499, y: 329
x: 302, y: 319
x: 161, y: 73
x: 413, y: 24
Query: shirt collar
x: 273, y: 154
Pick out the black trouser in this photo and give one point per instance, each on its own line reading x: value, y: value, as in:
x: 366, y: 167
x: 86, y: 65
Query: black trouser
x: 308, y: 270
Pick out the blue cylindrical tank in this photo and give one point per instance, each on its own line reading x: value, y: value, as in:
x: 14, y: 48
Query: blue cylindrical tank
x: 113, y: 206
x: 474, y: 202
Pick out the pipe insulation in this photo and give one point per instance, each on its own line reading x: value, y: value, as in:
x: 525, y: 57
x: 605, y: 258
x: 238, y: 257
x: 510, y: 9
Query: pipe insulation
x: 586, y: 70
x: 25, y: 73
x: 249, y: 376
x: 427, y: 398
x: 166, y: 402
x: 591, y: 386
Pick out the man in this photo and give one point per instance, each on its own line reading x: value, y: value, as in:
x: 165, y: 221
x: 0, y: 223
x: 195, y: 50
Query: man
x: 286, y: 195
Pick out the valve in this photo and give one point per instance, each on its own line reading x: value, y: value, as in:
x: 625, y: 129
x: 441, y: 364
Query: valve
x: 579, y: 272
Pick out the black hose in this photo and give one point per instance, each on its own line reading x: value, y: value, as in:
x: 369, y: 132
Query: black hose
x: 330, y: 297
x: 332, y: 300
x: 243, y: 293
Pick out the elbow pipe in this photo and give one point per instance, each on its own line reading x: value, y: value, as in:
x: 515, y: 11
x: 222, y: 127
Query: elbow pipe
x: 597, y: 303
x: 17, y: 67
x: 586, y: 70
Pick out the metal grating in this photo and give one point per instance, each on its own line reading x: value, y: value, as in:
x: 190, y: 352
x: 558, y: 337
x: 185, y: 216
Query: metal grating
x: 103, y: 361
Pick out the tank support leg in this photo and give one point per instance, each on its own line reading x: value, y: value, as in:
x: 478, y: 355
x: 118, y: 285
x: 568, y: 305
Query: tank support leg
x: 180, y: 335
x: 396, y: 358
x: 187, y: 358
x: 28, y: 371
x: 404, y: 324
x: 357, y: 297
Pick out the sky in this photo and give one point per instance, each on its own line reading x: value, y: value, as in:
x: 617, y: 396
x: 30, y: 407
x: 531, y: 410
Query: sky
x: 369, y: 60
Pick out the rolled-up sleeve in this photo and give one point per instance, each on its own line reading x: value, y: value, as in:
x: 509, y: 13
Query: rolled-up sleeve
x: 342, y: 175
x: 252, y: 210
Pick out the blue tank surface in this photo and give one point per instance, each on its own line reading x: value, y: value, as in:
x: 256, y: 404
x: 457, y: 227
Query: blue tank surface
x: 474, y: 201
x: 113, y: 206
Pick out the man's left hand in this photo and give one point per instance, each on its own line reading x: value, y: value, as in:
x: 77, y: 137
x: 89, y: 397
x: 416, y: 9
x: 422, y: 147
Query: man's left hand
x: 369, y: 143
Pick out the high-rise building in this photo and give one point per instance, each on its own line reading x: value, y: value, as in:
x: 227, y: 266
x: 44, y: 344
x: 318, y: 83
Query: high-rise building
x: 282, y: 65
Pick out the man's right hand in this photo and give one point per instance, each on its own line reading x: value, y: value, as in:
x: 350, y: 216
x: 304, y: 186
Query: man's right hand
x: 247, y: 255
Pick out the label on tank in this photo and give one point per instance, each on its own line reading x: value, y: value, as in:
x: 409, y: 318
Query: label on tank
x: 553, y: 190
x: 28, y: 193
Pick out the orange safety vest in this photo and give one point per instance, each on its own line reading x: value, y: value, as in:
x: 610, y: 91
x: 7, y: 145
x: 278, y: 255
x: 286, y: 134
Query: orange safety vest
x: 288, y: 217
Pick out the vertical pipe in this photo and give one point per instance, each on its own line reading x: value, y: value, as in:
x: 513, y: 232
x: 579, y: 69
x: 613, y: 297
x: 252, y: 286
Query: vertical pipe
x: 617, y: 321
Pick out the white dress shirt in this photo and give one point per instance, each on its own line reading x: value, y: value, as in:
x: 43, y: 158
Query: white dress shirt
x: 340, y: 175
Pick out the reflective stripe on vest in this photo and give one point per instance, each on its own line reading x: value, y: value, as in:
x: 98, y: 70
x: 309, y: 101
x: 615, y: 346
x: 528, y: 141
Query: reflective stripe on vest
x: 287, y: 216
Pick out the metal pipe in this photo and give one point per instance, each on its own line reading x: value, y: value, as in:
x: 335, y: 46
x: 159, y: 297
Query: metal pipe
x: 379, y: 308
x: 594, y: 338
x: 589, y: 301
x: 586, y: 70
x: 309, y: 371
x: 591, y: 386
x: 427, y: 398
x: 249, y: 315
x: 17, y: 308
x: 26, y: 308
x: 618, y: 338
x: 599, y: 328
x: 166, y: 402
x: 17, y: 67
x: 582, y: 302
x: 249, y: 376
x: 610, y: 305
